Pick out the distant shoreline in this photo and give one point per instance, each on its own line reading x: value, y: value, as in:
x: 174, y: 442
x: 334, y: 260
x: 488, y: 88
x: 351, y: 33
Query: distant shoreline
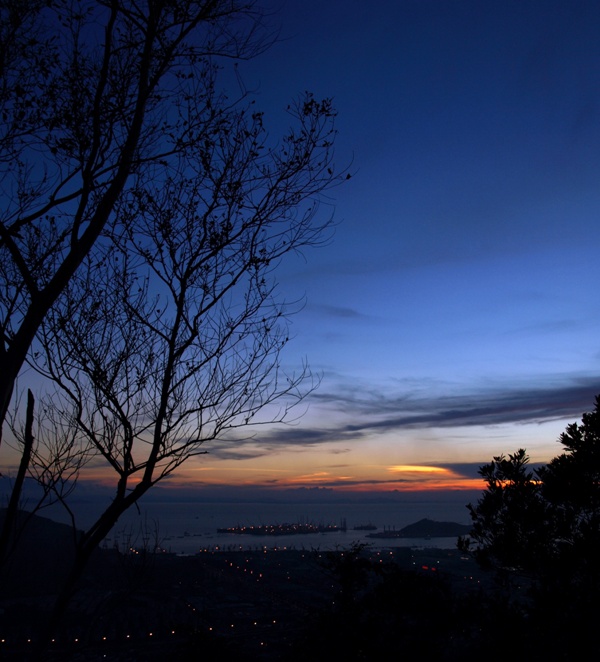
x: 281, y: 529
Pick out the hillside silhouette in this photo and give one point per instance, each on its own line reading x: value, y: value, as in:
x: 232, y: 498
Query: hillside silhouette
x: 425, y: 528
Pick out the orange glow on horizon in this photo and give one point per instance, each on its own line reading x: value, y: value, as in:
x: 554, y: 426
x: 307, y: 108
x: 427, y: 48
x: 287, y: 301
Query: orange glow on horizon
x: 346, y: 477
x: 434, y: 481
x: 441, y: 480
x: 417, y: 486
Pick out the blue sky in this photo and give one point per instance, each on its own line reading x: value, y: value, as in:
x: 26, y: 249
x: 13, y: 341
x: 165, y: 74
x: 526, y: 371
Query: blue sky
x: 455, y: 314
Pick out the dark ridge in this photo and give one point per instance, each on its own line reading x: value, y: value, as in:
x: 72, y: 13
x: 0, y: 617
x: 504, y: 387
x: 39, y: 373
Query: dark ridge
x: 37, y: 544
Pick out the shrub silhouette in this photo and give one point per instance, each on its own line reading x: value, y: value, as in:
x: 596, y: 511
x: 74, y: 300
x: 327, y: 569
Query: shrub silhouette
x: 542, y: 526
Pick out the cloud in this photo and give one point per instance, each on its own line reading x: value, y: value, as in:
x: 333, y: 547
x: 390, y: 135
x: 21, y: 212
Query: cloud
x: 340, y: 312
x: 368, y: 413
x: 241, y: 449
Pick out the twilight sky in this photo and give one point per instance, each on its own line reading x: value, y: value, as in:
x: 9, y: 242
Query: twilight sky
x: 455, y: 315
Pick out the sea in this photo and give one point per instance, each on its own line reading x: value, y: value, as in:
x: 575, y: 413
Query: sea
x: 187, y: 528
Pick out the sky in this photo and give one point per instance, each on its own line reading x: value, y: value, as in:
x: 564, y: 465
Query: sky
x: 455, y: 314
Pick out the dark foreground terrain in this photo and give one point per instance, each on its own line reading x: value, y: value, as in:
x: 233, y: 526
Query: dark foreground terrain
x: 357, y: 604
x: 274, y: 604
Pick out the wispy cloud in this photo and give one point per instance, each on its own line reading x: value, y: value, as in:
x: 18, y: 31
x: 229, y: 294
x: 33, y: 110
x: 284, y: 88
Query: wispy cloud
x: 340, y: 312
x: 376, y: 412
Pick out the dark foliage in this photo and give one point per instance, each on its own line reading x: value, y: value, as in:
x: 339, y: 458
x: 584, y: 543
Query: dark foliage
x: 541, y: 527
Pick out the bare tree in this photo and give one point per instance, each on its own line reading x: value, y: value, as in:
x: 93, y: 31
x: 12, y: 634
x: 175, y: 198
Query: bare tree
x: 140, y: 266
x: 173, y: 335
x: 95, y: 98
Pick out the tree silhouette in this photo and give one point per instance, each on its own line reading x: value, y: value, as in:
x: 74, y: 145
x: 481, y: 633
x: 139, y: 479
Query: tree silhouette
x: 528, y: 518
x: 97, y: 99
x: 509, y: 522
x: 545, y: 524
x: 139, y: 259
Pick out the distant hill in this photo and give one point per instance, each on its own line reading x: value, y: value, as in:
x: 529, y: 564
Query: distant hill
x: 425, y: 528
x: 40, y: 543
x: 35, y: 529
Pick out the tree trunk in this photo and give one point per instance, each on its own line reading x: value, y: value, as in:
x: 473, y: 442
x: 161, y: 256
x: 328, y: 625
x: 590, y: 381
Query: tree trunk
x: 85, y: 548
x: 8, y: 527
